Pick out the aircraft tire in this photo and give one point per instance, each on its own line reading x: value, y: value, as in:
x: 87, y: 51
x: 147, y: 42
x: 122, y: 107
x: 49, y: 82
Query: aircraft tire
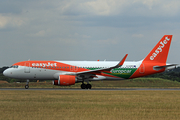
x: 83, y: 86
x: 88, y: 86
x: 26, y: 86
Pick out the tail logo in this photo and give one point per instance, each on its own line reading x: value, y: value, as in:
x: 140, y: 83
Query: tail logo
x: 160, y: 48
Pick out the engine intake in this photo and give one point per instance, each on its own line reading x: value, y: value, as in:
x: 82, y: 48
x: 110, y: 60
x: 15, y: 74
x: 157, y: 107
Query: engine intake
x: 65, y: 80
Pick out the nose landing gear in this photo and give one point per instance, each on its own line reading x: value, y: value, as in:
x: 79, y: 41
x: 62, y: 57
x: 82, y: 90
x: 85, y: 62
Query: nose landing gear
x: 27, y: 84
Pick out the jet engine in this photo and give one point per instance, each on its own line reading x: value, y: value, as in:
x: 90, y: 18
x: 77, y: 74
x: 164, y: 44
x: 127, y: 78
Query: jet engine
x: 65, y: 80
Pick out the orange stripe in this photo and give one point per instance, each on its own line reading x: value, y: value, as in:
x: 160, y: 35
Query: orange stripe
x: 52, y: 65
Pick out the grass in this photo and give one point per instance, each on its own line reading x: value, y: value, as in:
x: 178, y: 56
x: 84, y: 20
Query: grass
x: 88, y: 105
x: 138, y: 82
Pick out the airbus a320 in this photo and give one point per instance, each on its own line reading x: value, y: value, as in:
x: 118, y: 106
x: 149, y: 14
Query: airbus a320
x: 65, y: 73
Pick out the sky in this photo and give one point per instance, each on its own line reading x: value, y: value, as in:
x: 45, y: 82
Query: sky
x: 86, y: 29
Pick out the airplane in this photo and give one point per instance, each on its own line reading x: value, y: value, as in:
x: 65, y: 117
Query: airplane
x: 66, y: 73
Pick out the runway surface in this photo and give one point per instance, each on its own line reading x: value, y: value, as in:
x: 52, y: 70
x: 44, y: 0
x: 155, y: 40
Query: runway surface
x: 94, y: 89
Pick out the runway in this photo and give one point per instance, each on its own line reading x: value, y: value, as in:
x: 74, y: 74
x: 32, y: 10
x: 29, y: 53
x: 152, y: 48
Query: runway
x: 94, y: 89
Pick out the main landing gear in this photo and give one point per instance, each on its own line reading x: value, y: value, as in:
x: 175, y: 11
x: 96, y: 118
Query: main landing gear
x: 27, y: 84
x: 86, y: 86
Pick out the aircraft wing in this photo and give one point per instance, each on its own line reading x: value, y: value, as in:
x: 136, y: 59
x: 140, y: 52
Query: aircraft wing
x: 103, y: 70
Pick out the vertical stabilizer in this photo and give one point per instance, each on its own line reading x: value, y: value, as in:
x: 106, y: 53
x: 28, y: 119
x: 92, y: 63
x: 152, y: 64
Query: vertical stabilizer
x: 155, y: 61
x: 160, y: 52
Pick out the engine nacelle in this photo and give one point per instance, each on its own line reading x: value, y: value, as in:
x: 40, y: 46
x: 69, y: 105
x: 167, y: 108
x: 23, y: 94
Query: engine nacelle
x: 65, y: 80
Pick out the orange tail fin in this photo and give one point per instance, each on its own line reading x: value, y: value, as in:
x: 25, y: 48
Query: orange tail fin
x: 160, y: 52
x: 155, y: 61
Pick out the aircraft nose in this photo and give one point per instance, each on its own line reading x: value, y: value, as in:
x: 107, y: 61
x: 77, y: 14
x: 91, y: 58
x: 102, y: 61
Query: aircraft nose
x: 6, y: 73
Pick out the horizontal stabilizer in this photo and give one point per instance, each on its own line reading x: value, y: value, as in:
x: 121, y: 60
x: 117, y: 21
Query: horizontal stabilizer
x: 165, y: 66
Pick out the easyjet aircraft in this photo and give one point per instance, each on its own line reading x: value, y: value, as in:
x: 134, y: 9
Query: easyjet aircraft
x: 66, y: 73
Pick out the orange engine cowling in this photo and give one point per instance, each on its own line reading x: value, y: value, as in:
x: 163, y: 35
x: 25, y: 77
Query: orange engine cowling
x: 65, y: 80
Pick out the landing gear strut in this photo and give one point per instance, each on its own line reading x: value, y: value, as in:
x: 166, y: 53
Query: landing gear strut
x: 27, y: 84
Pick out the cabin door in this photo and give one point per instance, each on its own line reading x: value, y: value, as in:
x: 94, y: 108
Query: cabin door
x: 142, y: 69
x: 27, y: 67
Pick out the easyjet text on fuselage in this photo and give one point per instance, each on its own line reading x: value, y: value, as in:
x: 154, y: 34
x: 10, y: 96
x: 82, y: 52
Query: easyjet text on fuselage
x: 44, y: 64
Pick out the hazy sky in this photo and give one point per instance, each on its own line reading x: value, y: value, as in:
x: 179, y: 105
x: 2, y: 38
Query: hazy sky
x: 86, y: 29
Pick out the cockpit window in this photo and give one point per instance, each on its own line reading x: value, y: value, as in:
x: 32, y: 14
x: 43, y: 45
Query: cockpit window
x: 14, y: 66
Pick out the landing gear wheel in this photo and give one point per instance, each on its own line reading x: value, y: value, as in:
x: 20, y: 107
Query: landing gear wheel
x: 83, y: 86
x: 88, y: 86
x: 26, y: 86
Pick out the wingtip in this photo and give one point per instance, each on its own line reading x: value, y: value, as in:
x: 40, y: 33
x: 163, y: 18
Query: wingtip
x: 122, y: 61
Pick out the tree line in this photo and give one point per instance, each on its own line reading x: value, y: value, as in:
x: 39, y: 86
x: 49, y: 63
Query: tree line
x: 173, y: 74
